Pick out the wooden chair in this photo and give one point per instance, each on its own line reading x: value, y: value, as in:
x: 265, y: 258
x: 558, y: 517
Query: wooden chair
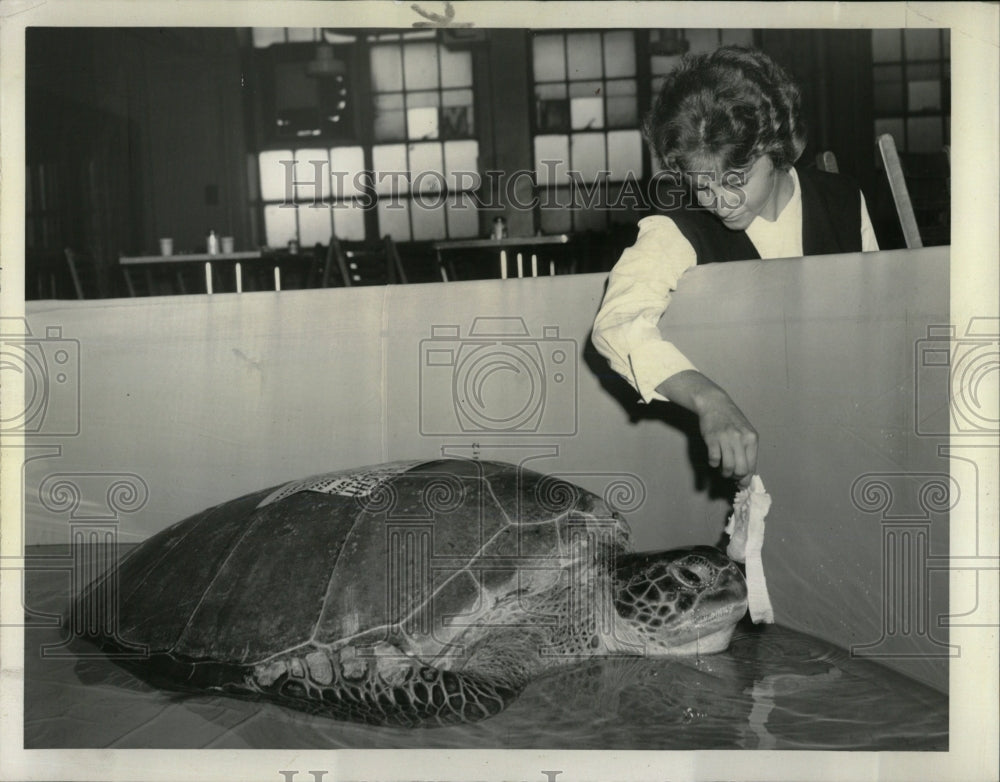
x: 87, y: 282
x: 524, y: 265
x: 921, y: 190
x: 302, y: 269
x: 827, y: 161
x: 364, y: 263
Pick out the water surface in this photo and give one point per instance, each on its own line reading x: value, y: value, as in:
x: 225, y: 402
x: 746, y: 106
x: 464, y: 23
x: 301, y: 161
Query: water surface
x: 772, y: 689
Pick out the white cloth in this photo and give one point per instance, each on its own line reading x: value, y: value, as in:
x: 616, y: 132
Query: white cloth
x: 640, y: 284
x: 746, y: 540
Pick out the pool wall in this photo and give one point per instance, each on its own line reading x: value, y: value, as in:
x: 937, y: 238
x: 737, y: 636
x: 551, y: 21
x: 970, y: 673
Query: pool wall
x: 193, y: 400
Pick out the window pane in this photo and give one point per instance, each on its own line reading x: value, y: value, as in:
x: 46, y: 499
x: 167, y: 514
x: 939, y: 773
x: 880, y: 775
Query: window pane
x: 737, y: 37
x: 422, y: 122
x: 312, y: 176
x: 461, y: 164
x: 620, y: 87
x: 549, y: 58
x: 456, y: 98
x: 924, y: 134
x: 584, y: 52
x: 925, y: 71
x: 420, y: 64
x: 456, y: 68
x: 922, y: 44
x: 702, y: 40
x: 586, y: 113
x: 273, y: 174
x: 427, y: 98
x: 390, y: 119
x: 552, y: 107
x: 623, y: 112
x: 394, y: 219
x: 551, y: 159
x: 265, y: 36
x: 663, y: 65
x: 888, y: 97
x: 426, y: 160
x: 884, y: 73
x: 349, y: 222
x: 925, y: 96
x: 463, y: 217
x: 428, y: 219
x: 345, y: 164
x: 314, y: 225
x: 588, y: 155
x: 456, y: 114
x: 586, y: 89
x: 301, y: 34
x: 886, y: 46
x: 387, y: 68
x: 625, y: 154
x: 619, y: 54
x: 422, y: 114
x: 389, y: 162
x: 279, y: 225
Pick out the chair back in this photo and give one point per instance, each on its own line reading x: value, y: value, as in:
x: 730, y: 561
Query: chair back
x: 364, y: 263
x: 921, y: 191
x: 86, y: 277
x: 827, y: 161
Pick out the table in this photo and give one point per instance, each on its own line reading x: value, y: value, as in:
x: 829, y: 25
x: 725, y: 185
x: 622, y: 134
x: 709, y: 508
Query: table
x: 501, y: 245
x: 208, y: 259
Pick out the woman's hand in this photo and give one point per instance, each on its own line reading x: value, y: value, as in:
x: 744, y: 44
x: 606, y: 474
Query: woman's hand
x: 729, y: 436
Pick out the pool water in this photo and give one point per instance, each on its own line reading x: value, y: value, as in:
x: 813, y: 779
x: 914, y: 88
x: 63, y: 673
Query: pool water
x: 772, y: 689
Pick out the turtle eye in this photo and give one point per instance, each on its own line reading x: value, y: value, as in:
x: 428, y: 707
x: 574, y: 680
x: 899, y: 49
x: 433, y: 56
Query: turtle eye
x: 694, y: 574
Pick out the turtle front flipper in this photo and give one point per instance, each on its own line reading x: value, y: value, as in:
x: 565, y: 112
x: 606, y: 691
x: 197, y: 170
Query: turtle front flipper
x: 397, y: 691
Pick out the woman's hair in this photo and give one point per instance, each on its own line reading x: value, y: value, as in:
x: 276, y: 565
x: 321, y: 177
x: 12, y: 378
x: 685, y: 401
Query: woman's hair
x: 732, y: 107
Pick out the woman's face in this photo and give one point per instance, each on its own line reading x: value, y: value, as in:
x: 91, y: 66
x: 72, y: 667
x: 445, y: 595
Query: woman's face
x: 737, y: 196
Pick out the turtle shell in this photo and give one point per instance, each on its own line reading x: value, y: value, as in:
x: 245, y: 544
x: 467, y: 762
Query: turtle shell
x: 407, y: 553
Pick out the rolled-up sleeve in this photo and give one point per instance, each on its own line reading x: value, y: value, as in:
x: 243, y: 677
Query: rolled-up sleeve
x: 626, y: 329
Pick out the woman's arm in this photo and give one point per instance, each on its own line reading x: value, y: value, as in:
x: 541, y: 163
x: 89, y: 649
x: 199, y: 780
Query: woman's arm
x: 639, y: 287
x: 626, y: 332
x: 731, y: 440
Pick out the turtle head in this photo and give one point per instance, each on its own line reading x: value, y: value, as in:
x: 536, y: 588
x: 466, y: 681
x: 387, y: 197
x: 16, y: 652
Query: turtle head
x: 682, y: 601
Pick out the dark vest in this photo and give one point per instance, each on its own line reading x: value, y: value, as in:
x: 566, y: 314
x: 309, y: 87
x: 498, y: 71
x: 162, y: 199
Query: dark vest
x: 831, y: 222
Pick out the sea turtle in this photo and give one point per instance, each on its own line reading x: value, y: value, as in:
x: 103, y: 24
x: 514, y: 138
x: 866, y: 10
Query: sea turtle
x: 409, y: 593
